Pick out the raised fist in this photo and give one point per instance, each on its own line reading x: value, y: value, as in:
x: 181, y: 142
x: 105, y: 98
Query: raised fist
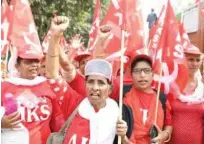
x: 59, y: 24
x: 104, y: 32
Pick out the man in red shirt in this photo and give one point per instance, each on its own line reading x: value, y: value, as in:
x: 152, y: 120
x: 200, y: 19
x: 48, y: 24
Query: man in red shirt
x: 90, y: 124
x: 142, y: 100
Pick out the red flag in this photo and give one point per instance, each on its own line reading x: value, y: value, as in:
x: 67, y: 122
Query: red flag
x: 167, y: 48
x: 124, y: 13
x: 185, y: 40
x: 95, y: 25
x: 5, y: 23
x: 23, y: 30
x: 202, y: 11
x: 197, y: 1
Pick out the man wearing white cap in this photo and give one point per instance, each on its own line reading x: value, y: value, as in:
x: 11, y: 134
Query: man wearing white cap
x: 97, y: 115
x: 70, y: 74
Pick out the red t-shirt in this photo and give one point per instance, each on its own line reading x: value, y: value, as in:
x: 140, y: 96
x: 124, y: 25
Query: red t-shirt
x: 39, y: 109
x: 145, y: 101
x: 143, y: 106
x: 71, y: 100
x: 79, y: 79
x: 59, y: 87
x: 78, y: 132
x: 188, y: 123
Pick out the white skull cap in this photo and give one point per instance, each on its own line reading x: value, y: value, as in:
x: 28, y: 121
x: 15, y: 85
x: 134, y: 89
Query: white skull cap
x: 99, y: 67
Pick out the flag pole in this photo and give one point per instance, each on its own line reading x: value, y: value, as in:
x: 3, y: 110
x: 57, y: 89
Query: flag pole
x: 158, y: 92
x: 202, y: 64
x: 147, y: 48
x: 159, y: 87
x: 121, y: 79
x: 6, y: 61
x: 7, y: 53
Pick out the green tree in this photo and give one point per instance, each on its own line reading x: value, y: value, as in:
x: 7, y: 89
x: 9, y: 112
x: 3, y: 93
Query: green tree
x: 80, y: 13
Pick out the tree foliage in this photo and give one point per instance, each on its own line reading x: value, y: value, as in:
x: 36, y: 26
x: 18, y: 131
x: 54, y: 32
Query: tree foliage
x: 80, y: 13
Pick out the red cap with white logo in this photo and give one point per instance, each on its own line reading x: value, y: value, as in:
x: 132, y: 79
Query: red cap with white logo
x: 192, y: 50
x: 143, y: 53
x: 81, y: 53
x: 30, y: 52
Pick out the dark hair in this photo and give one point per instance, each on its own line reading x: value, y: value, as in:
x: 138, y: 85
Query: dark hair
x: 109, y: 82
x: 19, y: 59
x: 137, y: 60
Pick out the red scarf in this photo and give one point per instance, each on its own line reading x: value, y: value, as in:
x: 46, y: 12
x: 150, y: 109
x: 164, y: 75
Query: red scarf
x: 140, y: 133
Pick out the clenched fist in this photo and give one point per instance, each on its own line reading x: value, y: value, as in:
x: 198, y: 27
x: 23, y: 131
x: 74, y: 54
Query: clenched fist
x: 104, y: 32
x: 59, y: 24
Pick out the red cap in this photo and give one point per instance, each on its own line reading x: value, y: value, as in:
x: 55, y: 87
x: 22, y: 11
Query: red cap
x: 192, y: 50
x: 140, y: 56
x: 142, y: 53
x: 81, y: 55
x: 30, y: 52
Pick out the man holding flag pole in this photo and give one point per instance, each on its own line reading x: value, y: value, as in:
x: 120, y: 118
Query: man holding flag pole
x: 138, y: 135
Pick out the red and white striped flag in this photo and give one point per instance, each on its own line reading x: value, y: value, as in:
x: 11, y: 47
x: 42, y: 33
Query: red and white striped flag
x: 6, y: 15
x: 95, y: 25
x: 167, y: 48
x: 23, y: 30
x: 126, y: 15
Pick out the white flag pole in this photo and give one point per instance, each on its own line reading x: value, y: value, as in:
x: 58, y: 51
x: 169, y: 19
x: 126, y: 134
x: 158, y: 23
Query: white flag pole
x: 121, y: 79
